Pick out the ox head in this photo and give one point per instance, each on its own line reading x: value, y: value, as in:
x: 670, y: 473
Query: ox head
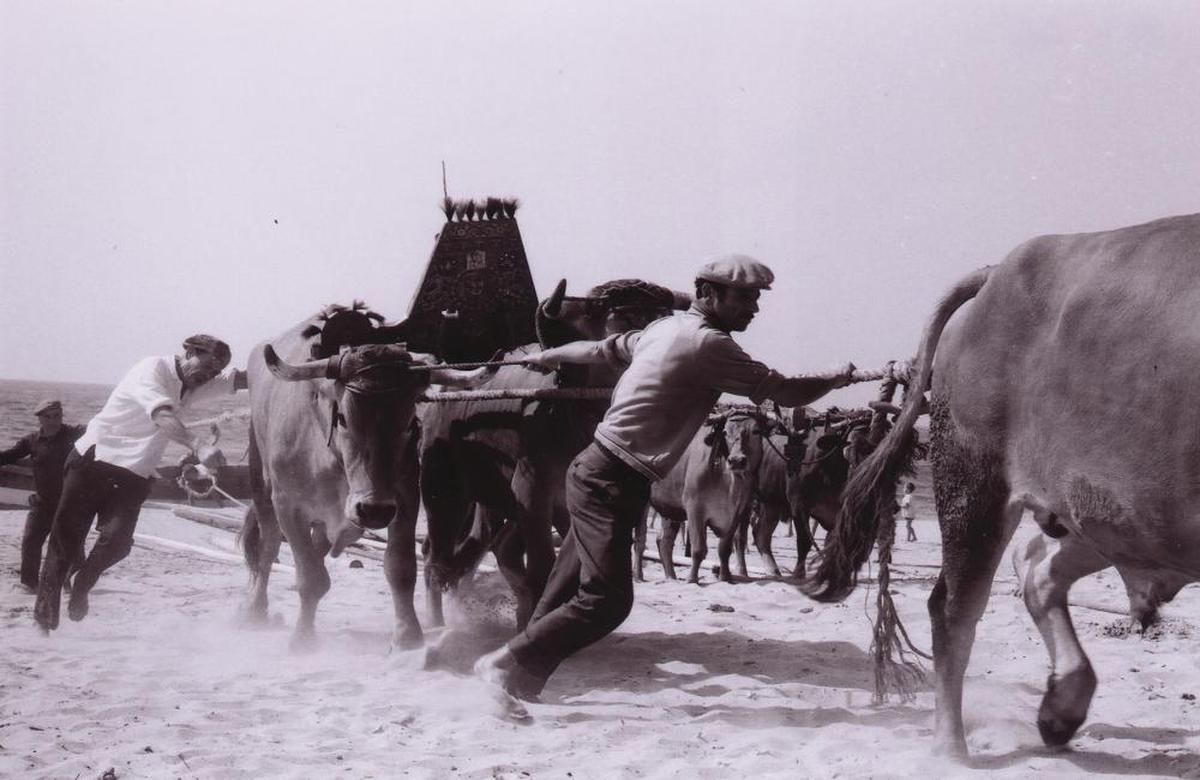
x: 612, y: 307
x: 372, y: 391
x: 736, y: 440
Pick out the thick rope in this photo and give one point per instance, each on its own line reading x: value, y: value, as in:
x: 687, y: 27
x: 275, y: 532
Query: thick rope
x: 540, y: 393
x: 894, y: 672
x: 895, y: 371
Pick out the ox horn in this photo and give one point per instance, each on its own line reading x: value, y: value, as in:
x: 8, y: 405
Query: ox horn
x: 552, y: 308
x: 326, y: 368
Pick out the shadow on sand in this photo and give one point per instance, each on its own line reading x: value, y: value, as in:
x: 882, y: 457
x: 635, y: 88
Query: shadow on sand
x: 1162, y: 761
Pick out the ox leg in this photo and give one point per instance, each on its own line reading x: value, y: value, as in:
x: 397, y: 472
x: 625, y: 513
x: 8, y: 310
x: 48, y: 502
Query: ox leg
x: 976, y: 524
x: 697, y: 532
x: 510, y: 559
x: 1049, y: 573
x: 639, y: 546
x: 312, y: 580
x: 740, y: 537
x: 534, y: 512
x: 447, y: 506
x: 725, y: 545
x: 400, y: 566
x: 764, y: 530
x: 804, y: 544
x: 260, y: 541
x: 668, y: 531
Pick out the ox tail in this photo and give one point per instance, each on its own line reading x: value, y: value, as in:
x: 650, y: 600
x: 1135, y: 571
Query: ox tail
x: 870, y: 493
x: 250, y: 537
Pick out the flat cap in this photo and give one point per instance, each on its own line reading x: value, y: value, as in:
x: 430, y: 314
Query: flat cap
x: 735, y: 270
x: 49, y: 405
x: 202, y: 341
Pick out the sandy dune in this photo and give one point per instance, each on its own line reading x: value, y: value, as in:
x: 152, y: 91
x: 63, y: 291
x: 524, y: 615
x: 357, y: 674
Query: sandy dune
x: 159, y: 682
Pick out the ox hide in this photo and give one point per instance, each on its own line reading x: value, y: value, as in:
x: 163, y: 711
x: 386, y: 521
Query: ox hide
x: 712, y: 486
x: 1037, y: 381
x: 326, y: 462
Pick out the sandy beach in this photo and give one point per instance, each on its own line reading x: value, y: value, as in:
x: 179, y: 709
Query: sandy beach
x: 160, y: 681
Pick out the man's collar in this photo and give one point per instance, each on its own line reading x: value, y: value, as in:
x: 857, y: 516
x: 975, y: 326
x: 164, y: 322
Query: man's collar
x: 699, y: 309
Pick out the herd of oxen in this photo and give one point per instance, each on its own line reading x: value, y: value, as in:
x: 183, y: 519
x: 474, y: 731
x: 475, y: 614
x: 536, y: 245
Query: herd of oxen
x: 1037, y: 382
x: 340, y: 445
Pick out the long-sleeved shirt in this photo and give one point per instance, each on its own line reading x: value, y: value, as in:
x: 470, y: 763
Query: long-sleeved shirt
x: 678, y: 367
x: 46, y: 454
x: 124, y: 432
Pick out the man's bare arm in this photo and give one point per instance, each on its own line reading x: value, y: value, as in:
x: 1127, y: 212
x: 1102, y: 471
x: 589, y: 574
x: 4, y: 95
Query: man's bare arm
x: 574, y: 352
x: 166, y: 420
x: 800, y: 391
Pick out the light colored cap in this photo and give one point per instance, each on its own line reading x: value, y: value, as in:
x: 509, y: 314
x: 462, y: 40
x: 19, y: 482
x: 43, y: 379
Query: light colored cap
x: 735, y: 270
x: 50, y: 405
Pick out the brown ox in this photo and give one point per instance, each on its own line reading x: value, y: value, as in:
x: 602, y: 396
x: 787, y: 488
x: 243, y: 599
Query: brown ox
x: 810, y: 487
x: 712, y: 486
x: 1031, y: 400
x: 333, y: 452
x: 508, y: 458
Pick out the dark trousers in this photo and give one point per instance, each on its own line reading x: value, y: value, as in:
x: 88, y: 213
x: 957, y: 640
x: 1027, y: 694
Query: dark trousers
x: 91, y: 489
x: 590, y: 591
x: 38, y: 523
x: 37, y: 528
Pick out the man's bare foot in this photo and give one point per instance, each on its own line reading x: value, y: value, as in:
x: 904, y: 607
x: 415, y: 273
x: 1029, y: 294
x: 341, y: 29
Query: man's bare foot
x: 494, y: 669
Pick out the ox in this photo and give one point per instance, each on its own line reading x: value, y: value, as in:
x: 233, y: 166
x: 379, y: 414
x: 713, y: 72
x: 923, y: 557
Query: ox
x: 1034, y: 383
x: 508, y: 458
x: 332, y: 453
x: 712, y: 486
x: 809, y: 486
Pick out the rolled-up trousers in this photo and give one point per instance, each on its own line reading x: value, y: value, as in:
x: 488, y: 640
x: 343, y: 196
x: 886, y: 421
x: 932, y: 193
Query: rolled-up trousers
x: 92, y: 489
x: 590, y: 590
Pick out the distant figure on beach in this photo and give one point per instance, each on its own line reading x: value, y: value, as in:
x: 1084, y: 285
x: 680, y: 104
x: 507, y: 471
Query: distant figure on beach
x: 108, y: 471
x: 907, y: 512
x: 677, y: 368
x: 46, y: 448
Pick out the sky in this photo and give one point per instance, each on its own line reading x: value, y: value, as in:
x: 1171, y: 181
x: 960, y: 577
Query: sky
x: 168, y: 168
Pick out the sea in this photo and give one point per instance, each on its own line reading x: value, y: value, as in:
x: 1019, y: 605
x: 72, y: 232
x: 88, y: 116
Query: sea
x: 19, y: 397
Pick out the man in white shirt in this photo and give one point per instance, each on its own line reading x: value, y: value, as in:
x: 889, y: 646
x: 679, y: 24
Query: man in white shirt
x: 107, y: 475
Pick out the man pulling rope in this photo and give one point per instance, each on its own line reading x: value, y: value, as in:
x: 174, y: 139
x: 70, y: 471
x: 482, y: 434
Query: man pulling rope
x: 677, y: 368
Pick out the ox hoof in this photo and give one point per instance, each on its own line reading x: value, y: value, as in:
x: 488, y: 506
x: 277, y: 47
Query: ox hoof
x: 403, y: 641
x: 953, y: 748
x: 253, y: 617
x: 77, y: 607
x: 303, y: 643
x: 1065, y: 705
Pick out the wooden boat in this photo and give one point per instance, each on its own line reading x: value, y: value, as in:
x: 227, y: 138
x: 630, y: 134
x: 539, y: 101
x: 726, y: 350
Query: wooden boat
x: 16, y: 486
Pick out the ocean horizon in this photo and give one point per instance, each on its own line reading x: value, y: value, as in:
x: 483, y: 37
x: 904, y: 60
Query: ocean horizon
x: 82, y: 400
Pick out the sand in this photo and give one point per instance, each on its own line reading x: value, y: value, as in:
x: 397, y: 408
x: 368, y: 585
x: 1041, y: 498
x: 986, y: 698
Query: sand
x: 160, y: 681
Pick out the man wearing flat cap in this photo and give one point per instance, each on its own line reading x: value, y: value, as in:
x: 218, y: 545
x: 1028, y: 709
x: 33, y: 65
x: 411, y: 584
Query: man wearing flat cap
x: 47, y: 449
x: 676, y: 369
x: 108, y: 472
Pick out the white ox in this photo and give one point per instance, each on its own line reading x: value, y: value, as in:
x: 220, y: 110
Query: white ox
x: 333, y: 451
x: 1060, y: 390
